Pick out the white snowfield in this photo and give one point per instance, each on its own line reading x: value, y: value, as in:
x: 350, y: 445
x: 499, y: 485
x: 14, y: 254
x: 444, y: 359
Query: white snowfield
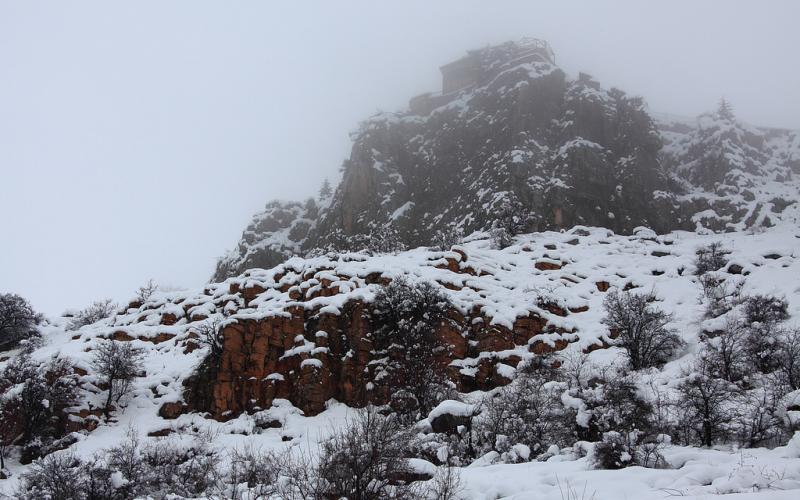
x: 505, y: 284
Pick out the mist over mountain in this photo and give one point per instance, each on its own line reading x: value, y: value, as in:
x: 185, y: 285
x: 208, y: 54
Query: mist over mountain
x: 511, y: 142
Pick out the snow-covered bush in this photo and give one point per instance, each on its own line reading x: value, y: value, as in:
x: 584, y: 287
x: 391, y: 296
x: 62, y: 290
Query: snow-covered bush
x: 255, y: 472
x: 165, y: 467
x: 618, y: 450
x: 146, y: 291
x: 385, y: 239
x: 704, y: 402
x: 762, y: 339
x: 720, y: 293
x: 789, y: 359
x: 710, y: 258
x: 363, y: 459
x: 405, y: 318
x: 444, y: 239
x: 59, y: 476
x: 641, y: 327
x: 510, y: 218
x: 765, y: 309
x: 117, y: 364
x: 18, y: 320
x: 726, y: 352
x: 756, y: 419
x: 529, y: 412
x: 93, y: 313
x: 612, y: 402
x: 33, y: 399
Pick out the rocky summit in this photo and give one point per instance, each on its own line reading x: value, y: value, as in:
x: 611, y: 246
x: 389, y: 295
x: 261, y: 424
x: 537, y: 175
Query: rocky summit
x: 511, y: 142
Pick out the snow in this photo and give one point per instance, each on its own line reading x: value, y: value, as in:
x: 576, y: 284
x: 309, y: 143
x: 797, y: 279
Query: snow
x: 451, y: 407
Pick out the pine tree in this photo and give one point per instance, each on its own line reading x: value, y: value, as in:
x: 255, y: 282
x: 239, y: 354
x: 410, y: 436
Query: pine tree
x: 325, y: 191
x: 725, y: 110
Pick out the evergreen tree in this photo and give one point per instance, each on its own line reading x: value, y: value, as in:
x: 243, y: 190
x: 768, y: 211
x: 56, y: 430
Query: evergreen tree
x: 725, y: 110
x: 325, y: 191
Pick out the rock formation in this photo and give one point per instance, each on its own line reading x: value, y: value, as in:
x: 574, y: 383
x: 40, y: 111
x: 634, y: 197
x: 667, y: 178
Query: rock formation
x: 512, y: 141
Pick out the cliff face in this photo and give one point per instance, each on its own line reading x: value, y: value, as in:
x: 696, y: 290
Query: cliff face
x: 527, y: 147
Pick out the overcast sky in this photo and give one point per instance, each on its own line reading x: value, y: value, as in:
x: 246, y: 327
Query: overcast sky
x: 137, y: 138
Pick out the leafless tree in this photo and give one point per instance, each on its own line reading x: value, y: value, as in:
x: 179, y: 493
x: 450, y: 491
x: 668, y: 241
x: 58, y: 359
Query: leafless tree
x: 642, y: 328
x: 118, y: 364
x: 704, y: 401
x: 789, y: 358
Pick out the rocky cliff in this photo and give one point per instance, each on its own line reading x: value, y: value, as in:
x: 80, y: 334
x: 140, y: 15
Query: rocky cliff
x: 525, y: 148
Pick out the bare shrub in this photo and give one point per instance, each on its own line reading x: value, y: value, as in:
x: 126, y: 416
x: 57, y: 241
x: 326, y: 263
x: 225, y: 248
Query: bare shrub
x: 726, y: 352
x: 58, y: 476
x: 95, y: 312
x: 703, y: 400
x: 445, y: 485
x: 385, y: 239
x: 765, y: 309
x: 789, y: 359
x: 720, y: 294
x: 259, y: 471
x: 710, y: 258
x: 364, y: 459
x: 210, y: 334
x: 405, y: 320
x: 146, y: 291
x: 528, y: 411
x: 642, y: 328
x: 18, y: 320
x: 756, y: 421
x: 445, y: 239
x: 117, y: 364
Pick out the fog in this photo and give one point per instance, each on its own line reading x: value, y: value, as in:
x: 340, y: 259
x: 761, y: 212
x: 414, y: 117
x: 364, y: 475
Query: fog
x: 137, y: 138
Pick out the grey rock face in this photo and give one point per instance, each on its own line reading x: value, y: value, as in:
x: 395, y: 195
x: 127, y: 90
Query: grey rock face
x: 517, y: 144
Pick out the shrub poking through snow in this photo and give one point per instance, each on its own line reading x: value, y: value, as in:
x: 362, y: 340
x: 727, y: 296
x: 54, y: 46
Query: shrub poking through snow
x: 117, y: 364
x: 765, y: 309
x: 405, y: 318
x: 642, y: 328
x: 18, y: 320
x: 726, y: 352
x: 710, y: 258
x: 146, y: 291
x: 789, y: 359
x: 95, y: 312
x: 529, y: 412
x: 704, y: 404
x: 364, y: 459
